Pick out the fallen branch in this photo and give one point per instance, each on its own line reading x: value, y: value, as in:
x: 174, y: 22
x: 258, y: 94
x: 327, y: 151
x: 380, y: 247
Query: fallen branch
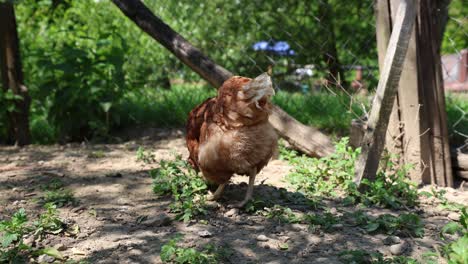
x: 306, y: 139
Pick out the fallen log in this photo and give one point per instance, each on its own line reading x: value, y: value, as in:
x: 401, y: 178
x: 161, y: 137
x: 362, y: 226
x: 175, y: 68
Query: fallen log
x: 306, y: 139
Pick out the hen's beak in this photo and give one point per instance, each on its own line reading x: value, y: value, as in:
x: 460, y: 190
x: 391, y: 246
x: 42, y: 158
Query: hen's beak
x: 259, y: 88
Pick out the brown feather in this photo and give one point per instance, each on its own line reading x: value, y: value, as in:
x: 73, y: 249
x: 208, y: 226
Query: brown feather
x: 230, y: 134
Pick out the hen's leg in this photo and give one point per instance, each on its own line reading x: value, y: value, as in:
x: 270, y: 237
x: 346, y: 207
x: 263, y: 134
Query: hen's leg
x: 249, y: 193
x: 217, y: 194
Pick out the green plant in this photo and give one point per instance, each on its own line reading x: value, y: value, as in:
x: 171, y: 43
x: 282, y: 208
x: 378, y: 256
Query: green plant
x: 145, y: 156
x: 324, y: 176
x: 333, y: 176
x: 391, y: 188
x: 282, y: 215
x: 406, y: 224
x: 457, y: 251
x: 171, y: 253
x: 188, y: 190
x: 13, y: 249
x: 324, y: 221
x: 361, y: 256
x: 60, y: 197
x: 56, y: 194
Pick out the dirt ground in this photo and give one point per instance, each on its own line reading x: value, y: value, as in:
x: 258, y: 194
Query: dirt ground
x: 114, y: 193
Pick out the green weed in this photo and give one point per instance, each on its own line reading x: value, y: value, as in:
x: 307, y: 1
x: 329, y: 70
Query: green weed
x: 281, y: 214
x: 171, y: 253
x: 145, y: 156
x: 56, y: 194
x: 361, y: 256
x: 333, y: 176
x: 13, y: 249
x: 406, y: 224
x: 178, y: 179
x: 457, y: 251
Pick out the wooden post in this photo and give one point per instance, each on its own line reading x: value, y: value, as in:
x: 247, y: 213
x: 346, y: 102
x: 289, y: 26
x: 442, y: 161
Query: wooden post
x: 374, y: 138
x: 12, y: 76
x: 418, y: 116
x: 304, y: 138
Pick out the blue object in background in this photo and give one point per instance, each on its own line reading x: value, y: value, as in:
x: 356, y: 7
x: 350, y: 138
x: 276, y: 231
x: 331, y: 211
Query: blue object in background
x: 279, y: 47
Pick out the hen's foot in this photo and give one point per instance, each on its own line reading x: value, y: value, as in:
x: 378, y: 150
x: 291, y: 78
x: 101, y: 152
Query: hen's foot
x: 248, y: 195
x: 217, y: 194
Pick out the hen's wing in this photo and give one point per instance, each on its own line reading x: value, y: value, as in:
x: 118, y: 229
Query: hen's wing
x: 194, y: 126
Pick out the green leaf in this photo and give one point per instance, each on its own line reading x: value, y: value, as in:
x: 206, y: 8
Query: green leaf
x: 8, y: 239
x: 371, y: 227
x: 450, y: 228
x: 106, y: 106
x: 53, y: 252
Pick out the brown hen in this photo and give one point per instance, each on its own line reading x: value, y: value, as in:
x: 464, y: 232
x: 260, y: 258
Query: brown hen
x: 230, y: 134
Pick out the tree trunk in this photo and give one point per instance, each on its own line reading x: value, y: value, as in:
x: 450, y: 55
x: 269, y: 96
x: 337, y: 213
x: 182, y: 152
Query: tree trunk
x: 306, y: 139
x: 335, y: 75
x: 12, y: 76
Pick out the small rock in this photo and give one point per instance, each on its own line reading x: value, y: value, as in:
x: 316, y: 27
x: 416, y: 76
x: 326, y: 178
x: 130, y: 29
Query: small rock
x: 391, y: 240
x: 60, y: 247
x: 299, y: 227
x: 159, y: 220
x: 398, y: 249
x: 204, y: 233
x: 29, y: 241
x: 262, y: 238
x: 232, y: 212
x: 454, y: 216
x: 76, y: 251
x: 15, y: 189
x: 41, y: 162
x: 45, y: 259
x: 78, y: 209
x: 337, y: 226
x: 333, y: 210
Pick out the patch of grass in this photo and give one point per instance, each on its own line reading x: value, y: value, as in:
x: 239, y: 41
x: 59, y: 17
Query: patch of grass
x: 323, y: 221
x: 324, y: 176
x: 361, y: 256
x: 56, y: 194
x: 145, y: 156
x: 281, y: 214
x: 333, y: 176
x: 457, y: 118
x: 457, y: 251
x: 178, y: 179
x: 12, y: 232
x: 406, y: 224
x: 98, y: 154
x: 172, y: 253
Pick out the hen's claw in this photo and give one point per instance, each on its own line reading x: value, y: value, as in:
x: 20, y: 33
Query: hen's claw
x: 217, y: 194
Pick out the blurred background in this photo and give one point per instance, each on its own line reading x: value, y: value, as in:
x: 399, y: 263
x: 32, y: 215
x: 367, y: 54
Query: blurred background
x: 92, y: 73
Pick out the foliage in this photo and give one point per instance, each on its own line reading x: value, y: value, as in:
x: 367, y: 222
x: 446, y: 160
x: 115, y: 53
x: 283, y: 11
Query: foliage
x: 361, y: 256
x: 13, y: 249
x: 323, y: 176
x: 188, y: 190
x: 334, y: 173
x: 454, y: 39
x: 457, y: 251
x: 56, y: 194
x: 391, y: 188
x: 457, y: 118
x: 145, y: 156
x: 171, y: 253
x: 324, y: 221
x: 281, y: 214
